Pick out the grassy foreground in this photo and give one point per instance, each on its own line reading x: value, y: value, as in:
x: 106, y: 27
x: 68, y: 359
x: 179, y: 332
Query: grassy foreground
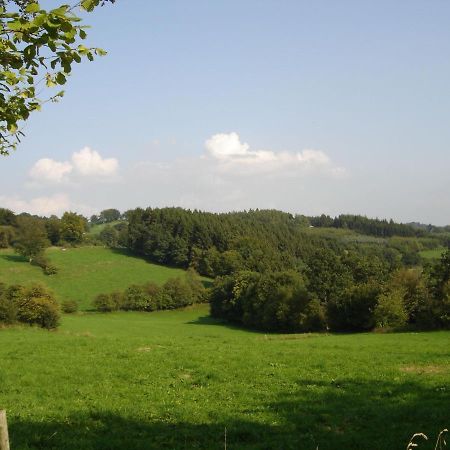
x: 176, y: 379
x: 84, y: 272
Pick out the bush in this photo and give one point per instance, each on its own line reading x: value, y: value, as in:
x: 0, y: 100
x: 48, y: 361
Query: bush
x: 50, y: 270
x: 8, y: 310
x: 135, y: 298
x: 390, y: 310
x: 276, y: 301
x: 176, y: 293
x: 40, y: 311
x: 117, y: 300
x: 44, y: 263
x: 69, y: 306
x: 109, y: 236
x: 315, y: 316
x: 34, y: 305
x: 40, y: 260
x: 354, y: 309
x: 105, y: 303
x: 37, y: 306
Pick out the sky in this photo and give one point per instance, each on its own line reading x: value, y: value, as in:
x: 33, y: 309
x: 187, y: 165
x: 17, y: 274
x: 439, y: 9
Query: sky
x: 307, y: 107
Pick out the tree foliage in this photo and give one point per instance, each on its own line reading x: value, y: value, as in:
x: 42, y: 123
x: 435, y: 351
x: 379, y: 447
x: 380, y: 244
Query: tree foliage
x: 31, y: 237
x: 33, y: 305
x: 38, y: 48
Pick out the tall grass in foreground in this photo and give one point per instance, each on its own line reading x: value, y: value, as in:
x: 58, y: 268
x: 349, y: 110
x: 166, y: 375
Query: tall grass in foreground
x: 440, y: 443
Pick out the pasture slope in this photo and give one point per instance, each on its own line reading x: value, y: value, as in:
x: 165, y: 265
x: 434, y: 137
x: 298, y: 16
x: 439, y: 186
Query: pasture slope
x: 177, y: 379
x: 85, y: 272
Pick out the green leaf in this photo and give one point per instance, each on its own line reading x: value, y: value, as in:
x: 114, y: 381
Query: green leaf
x: 88, y: 5
x: 49, y: 81
x: 67, y: 27
x: 82, y: 34
x: 60, y: 78
x: 39, y: 20
x: 15, y: 25
x: 32, y: 8
x: 61, y: 11
x: 12, y: 127
x: 29, y: 52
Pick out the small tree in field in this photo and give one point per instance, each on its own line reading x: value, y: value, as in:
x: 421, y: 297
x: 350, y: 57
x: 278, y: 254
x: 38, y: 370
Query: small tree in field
x: 73, y: 226
x: 31, y: 237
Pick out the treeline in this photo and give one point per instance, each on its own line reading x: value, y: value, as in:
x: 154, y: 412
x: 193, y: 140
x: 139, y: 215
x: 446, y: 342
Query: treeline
x: 371, y: 227
x: 339, y: 299
x: 33, y: 305
x: 68, y: 230
x: 217, y: 244
x: 30, y: 235
x: 260, y: 240
x: 174, y: 293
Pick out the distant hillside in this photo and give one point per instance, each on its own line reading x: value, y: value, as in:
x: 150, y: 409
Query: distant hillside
x: 260, y: 240
x: 85, y: 272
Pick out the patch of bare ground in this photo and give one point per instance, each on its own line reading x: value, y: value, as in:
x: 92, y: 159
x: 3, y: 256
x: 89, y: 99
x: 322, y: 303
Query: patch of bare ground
x: 424, y: 370
x: 144, y: 349
x: 290, y: 337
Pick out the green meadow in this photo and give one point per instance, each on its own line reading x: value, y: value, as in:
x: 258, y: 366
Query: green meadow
x: 178, y: 379
x: 434, y: 254
x: 84, y: 272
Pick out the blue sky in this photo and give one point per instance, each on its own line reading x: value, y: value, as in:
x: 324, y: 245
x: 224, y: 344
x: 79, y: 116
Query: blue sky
x: 309, y: 107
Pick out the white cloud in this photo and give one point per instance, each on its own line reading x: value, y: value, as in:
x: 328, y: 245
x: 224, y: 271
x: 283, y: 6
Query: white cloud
x: 85, y: 163
x: 225, y: 146
x: 44, y: 206
x: 88, y: 162
x: 231, y: 176
x: 235, y: 155
x: 48, y: 170
x: 228, y: 175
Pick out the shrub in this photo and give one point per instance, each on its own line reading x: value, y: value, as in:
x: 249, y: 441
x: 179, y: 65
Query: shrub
x: 354, y: 309
x: 40, y: 311
x: 199, y: 292
x: 276, y: 301
x: 117, y: 300
x: 390, y: 310
x: 315, y: 316
x: 44, y: 263
x: 104, y: 303
x: 135, y: 298
x: 176, y: 293
x: 8, y: 310
x: 50, y: 270
x: 40, y: 260
x: 34, y: 305
x: 7, y: 234
x: 109, y: 236
x: 38, y: 306
x: 69, y: 306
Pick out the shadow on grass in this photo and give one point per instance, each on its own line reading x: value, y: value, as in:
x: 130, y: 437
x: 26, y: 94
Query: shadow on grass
x: 14, y: 258
x: 209, y: 320
x: 130, y: 254
x: 344, y: 414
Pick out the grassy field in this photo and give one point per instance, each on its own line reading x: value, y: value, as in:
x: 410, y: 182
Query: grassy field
x: 176, y: 380
x: 96, y: 229
x: 84, y: 272
x: 432, y: 254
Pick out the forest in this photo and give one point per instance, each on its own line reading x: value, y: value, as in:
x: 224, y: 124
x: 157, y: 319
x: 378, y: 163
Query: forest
x: 271, y: 270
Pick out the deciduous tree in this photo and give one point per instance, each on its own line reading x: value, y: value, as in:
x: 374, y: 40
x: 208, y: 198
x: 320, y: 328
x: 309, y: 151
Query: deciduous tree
x: 37, y: 50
